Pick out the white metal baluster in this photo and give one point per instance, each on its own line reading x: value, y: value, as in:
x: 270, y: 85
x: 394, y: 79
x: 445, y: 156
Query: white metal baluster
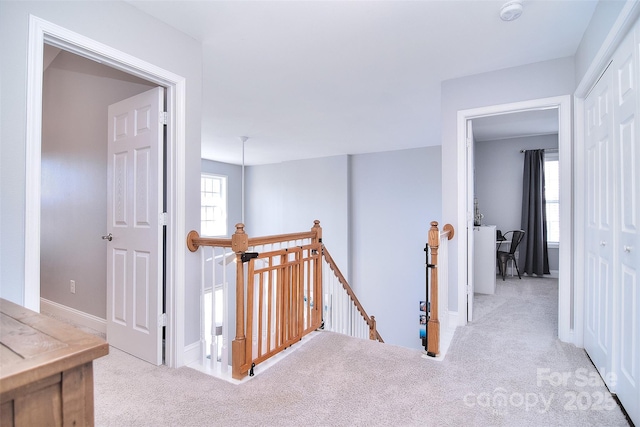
x: 224, y: 359
x: 341, y: 307
x: 337, y: 297
x: 203, y: 343
x: 365, y: 329
x: 327, y: 288
x: 345, y: 310
x: 214, y: 337
x: 334, y: 302
x: 354, y: 313
x: 351, y: 317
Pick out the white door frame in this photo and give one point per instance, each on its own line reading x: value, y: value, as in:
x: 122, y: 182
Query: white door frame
x: 563, y: 104
x: 41, y: 31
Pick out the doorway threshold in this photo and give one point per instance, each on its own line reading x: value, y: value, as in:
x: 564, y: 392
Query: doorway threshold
x: 224, y: 373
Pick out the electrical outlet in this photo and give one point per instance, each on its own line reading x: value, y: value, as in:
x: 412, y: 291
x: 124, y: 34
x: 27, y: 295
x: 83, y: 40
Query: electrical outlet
x: 72, y: 284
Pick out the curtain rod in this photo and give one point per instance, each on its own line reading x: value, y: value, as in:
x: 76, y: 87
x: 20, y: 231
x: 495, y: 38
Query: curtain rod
x: 550, y: 150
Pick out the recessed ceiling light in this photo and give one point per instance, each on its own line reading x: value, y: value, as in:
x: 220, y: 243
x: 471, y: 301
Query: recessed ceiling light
x: 511, y: 10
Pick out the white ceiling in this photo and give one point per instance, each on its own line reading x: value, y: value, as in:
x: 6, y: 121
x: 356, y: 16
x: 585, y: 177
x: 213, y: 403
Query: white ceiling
x: 307, y: 79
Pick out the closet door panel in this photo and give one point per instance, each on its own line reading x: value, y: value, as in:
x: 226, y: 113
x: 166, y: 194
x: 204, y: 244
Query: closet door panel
x: 627, y: 261
x: 599, y: 286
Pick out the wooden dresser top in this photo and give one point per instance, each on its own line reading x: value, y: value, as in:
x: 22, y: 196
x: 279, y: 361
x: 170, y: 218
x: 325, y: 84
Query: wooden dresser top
x: 34, y: 346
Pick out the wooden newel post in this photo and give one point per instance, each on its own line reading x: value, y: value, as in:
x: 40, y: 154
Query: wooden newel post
x: 372, y: 328
x: 239, y: 244
x: 318, y: 230
x: 433, y: 326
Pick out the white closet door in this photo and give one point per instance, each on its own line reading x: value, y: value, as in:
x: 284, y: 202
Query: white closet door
x: 626, y: 109
x: 599, y: 226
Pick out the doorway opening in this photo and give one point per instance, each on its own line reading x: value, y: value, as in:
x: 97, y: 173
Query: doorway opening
x: 76, y: 94
x: 42, y: 32
x: 499, y: 143
x: 562, y: 105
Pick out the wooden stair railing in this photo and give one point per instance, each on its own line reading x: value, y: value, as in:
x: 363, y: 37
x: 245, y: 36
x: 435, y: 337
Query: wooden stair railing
x: 436, y: 238
x: 370, y: 320
x: 280, y: 301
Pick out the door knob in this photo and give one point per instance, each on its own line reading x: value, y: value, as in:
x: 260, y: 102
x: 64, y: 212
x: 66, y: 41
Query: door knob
x: 627, y: 249
x: 603, y: 243
x: 108, y: 237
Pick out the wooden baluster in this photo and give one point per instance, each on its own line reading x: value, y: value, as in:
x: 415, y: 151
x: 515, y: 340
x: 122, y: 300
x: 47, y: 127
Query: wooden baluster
x: 239, y: 244
x: 433, y: 326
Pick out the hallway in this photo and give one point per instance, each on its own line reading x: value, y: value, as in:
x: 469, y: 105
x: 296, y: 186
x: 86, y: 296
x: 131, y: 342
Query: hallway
x: 507, y: 368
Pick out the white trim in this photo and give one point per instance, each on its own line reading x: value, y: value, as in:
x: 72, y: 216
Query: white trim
x: 192, y: 353
x: 72, y: 315
x: 563, y: 104
x: 578, y: 222
x: 462, y: 254
x: 453, y: 320
x: 41, y: 31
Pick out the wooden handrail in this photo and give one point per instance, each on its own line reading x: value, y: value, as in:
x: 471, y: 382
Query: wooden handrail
x: 433, y: 325
x: 371, y: 321
x: 194, y: 241
x: 447, y: 230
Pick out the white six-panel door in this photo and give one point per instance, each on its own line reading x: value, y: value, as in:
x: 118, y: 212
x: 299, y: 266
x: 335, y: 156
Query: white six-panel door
x: 612, y: 231
x: 599, y: 228
x: 134, y: 192
x: 627, y: 159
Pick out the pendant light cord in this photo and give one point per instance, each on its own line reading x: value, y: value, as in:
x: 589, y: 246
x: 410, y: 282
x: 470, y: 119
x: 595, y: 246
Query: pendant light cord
x: 243, y: 139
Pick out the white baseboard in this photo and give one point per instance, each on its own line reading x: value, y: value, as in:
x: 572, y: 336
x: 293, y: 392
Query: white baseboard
x: 191, y: 353
x: 72, y: 315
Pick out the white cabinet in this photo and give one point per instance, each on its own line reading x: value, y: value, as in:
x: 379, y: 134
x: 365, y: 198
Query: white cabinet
x: 484, y: 259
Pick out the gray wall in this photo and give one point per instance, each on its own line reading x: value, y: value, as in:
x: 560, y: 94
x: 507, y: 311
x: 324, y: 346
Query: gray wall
x: 539, y: 80
x: 499, y: 167
x: 394, y: 197
x: 287, y: 197
x: 76, y: 94
x: 137, y: 34
x: 375, y: 211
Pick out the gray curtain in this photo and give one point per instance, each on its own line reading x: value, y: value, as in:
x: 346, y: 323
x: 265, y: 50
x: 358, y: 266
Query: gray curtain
x: 533, y: 248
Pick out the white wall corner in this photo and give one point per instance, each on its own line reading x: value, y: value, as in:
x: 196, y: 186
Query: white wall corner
x: 452, y: 320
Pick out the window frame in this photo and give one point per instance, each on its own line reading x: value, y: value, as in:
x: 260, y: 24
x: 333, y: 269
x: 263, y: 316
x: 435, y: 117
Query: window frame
x: 225, y: 201
x: 552, y: 156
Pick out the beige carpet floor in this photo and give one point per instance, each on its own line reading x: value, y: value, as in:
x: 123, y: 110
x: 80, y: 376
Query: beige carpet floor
x: 507, y: 368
